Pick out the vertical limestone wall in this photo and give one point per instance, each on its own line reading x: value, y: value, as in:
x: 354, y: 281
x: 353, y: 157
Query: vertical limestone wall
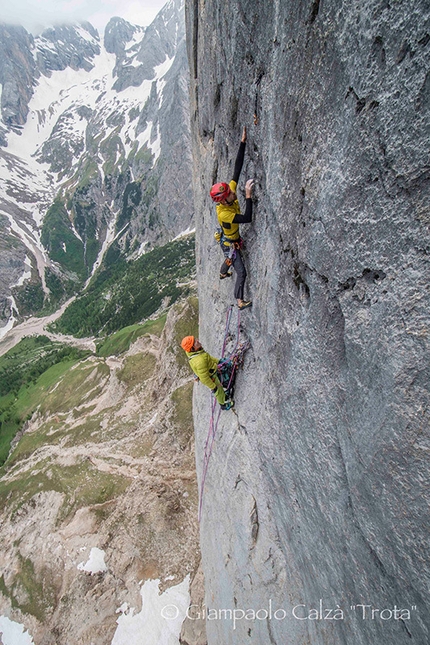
x: 317, y: 487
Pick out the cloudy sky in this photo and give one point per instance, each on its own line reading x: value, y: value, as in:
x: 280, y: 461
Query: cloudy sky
x: 35, y: 15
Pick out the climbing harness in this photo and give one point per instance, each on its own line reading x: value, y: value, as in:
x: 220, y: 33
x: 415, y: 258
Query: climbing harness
x: 232, y: 245
x: 227, y: 368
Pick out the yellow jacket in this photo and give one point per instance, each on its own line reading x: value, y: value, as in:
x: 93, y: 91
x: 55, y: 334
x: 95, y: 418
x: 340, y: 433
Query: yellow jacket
x: 226, y: 214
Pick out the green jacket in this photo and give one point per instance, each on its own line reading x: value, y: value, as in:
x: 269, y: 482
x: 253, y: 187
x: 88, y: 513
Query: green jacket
x: 205, y: 367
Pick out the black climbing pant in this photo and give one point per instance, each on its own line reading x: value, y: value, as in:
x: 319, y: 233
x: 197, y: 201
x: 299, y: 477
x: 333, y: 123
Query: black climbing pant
x: 238, y: 266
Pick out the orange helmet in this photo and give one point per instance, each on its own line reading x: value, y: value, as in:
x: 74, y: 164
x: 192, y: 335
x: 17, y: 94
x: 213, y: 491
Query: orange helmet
x: 220, y: 191
x: 187, y: 343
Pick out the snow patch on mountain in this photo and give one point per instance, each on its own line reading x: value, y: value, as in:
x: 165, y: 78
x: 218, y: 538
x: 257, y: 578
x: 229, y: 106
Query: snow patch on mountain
x: 13, y: 633
x: 110, y: 236
x: 12, y: 318
x: 160, y: 619
x: 95, y: 563
x: 27, y: 272
x: 61, y: 94
x: 55, y: 95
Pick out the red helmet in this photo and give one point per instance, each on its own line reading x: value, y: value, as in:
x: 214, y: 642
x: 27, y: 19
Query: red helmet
x: 219, y: 192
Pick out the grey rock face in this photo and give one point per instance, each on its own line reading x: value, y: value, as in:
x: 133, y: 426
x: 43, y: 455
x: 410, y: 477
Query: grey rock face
x: 163, y: 35
x: 60, y: 150
x: 23, y: 58
x: 317, y: 486
x: 161, y: 40
x: 173, y: 170
x: 118, y: 33
x: 67, y: 46
x: 17, y: 74
x: 12, y: 257
x: 123, y: 39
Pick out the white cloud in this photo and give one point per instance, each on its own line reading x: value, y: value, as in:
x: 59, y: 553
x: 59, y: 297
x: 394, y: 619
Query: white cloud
x: 36, y: 15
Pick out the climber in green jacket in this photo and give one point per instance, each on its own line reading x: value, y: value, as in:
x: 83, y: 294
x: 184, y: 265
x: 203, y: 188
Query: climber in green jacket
x: 205, y: 367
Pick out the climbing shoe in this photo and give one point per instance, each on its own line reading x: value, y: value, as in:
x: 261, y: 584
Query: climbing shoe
x: 245, y: 304
x: 227, y: 405
x: 222, y: 276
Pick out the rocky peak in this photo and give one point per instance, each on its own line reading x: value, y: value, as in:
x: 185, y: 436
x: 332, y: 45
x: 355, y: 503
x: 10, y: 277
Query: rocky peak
x: 118, y: 33
x: 160, y: 42
x: 166, y: 31
x: 23, y: 58
x: 67, y: 46
x: 18, y: 72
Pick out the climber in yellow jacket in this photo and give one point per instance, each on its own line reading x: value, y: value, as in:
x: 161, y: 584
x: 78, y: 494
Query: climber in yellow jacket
x: 229, y: 217
x: 205, y: 367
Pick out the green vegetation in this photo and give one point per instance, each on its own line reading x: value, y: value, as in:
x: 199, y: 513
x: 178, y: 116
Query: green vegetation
x: 26, y: 372
x: 151, y: 186
x: 93, y: 430
x: 60, y: 289
x: 126, y: 292
x: 55, y: 395
x: 110, y: 148
x: 61, y: 242
x: 182, y: 417
x: 131, y: 199
x: 84, y: 210
x: 88, y: 173
x: 29, y: 371
x: 82, y: 485
x: 142, y: 448
x: 137, y: 369
x: 32, y: 356
x: 144, y: 156
x: 30, y: 593
x: 83, y: 381
x: 62, y: 384
x: 120, y: 341
x: 47, y: 434
x: 183, y: 412
x: 186, y: 326
x: 29, y: 297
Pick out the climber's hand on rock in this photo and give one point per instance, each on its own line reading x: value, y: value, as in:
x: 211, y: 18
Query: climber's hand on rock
x: 248, y: 188
x: 244, y: 134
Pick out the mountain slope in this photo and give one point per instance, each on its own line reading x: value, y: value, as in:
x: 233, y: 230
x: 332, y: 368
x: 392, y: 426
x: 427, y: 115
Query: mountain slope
x: 106, y: 459
x: 98, y: 150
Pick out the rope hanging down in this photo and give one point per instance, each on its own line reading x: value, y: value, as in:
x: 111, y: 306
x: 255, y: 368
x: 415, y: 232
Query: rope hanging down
x: 235, y: 358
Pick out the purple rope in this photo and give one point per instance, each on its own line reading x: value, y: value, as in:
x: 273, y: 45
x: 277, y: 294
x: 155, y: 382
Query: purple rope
x: 213, y: 426
x: 211, y: 437
x: 227, y: 327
